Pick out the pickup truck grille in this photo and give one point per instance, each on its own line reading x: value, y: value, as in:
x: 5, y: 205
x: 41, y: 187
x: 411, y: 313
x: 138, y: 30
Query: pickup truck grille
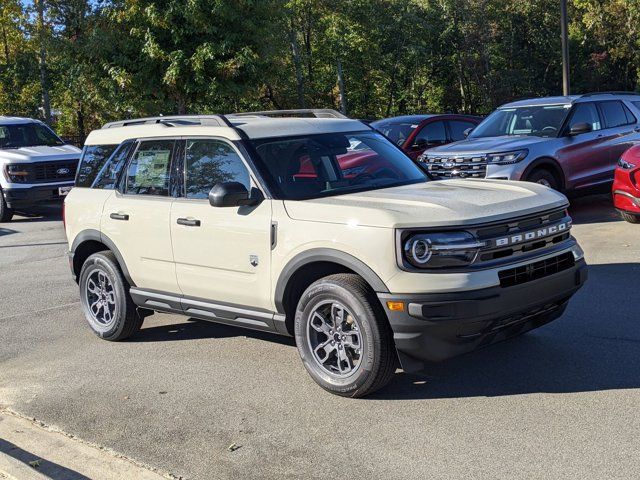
x: 456, y: 166
x: 54, y: 171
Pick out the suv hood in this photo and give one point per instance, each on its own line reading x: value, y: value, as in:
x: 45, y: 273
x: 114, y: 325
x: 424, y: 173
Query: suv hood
x: 431, y: 204
x: 504, y: 143
x: 40, y: 153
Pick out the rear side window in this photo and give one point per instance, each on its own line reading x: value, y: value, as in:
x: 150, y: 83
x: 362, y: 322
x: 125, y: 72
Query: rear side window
x: 615, y: 114
x: 149, y: 170
x: 432, y: 134
x: 94, y: 158
x: 208, y: 162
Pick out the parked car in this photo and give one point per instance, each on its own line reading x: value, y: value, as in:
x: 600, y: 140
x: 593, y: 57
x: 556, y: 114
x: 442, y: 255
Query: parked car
x: 570, y: 143
x: 417, y: 133
x: 626, y: 185
x: 36, y: 165
x: 251, y: 221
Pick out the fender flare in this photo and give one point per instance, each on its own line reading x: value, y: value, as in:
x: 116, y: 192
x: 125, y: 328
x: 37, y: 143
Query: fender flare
x: 325, y: 255
x: 95, y: 235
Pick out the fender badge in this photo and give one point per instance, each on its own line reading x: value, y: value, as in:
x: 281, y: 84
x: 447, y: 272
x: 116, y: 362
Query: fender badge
x: 253, y: 260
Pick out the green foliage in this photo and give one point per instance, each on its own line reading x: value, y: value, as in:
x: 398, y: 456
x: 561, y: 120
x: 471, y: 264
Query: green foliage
x: 113, y: 59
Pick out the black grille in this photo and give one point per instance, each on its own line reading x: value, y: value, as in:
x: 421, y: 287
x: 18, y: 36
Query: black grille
x: 55, y: 171
x: 536, y: 270
x: 453, y: 166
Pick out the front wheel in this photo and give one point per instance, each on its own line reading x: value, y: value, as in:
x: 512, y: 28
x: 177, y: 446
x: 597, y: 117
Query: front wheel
x: 544, y: 177
x: 6, y: 213
x: 105, y: 298
x: 343, y: 336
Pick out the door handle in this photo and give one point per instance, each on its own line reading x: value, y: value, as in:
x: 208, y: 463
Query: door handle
x: 188, y: 222
x: 119, y: 216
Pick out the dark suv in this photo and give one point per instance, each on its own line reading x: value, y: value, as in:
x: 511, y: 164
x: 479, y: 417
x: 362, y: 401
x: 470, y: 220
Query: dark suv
x: 416, y: 133
x: 567, y: 143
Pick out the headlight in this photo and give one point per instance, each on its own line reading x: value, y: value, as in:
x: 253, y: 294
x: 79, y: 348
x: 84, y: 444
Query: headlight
x: 625, y: 165
x: 441, y: 250
x: 506, y: 158
x: 422, y: 157
x: 16, y: 173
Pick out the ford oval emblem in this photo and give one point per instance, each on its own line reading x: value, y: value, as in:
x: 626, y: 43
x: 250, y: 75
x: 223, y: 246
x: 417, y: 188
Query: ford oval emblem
x: 449, y: 164
x: 63, y: 171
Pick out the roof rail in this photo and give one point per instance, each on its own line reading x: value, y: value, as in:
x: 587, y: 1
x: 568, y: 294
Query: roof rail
x: 301, y: 112
x: 593, y: 94
x: 174, y: 120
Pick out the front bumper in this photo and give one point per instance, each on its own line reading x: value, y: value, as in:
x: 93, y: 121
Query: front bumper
x: 25, y: 197
x: 434, y: 327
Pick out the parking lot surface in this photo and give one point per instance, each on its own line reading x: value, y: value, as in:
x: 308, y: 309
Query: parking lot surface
x: 559, y: 402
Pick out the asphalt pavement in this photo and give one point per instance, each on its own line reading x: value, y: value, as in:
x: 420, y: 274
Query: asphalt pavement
x: 559, y: 402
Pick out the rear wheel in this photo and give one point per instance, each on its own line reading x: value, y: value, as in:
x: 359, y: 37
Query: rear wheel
x: 105, y: 298
x: 630, y: 217
x: 544, y: 177
x: 6, y: 213
x: 343, y: 336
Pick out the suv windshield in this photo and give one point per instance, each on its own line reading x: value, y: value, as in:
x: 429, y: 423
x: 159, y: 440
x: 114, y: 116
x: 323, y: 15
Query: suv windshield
x: 537, y: 121
x: 27, y: 135
x: 312, y: 166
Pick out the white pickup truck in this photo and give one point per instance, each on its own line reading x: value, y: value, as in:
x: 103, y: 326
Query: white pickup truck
x: 35, y: 165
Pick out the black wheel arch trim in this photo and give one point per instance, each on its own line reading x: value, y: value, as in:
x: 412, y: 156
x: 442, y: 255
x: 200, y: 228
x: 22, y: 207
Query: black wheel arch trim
x: 325, y: 255
x: 541, y: 162
x: 97, y: 236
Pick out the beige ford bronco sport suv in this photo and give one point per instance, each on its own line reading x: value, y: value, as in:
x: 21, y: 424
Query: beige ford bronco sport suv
x: 309, y: 224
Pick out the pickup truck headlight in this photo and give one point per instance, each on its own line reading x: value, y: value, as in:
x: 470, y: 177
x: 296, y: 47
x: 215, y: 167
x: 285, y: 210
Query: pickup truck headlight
x: 16, y: 173
x: 506, y: 158
x: 441, y: 249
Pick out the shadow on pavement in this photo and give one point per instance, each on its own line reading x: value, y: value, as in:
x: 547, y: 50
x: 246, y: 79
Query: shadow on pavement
x: 45, y: 467
x: 196, y: 329
x: 594, y: 346
x: 46, y: 212
x: 593, y: 209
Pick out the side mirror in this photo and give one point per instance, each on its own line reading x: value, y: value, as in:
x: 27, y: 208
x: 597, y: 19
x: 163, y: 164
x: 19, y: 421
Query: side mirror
x: 233, y: 194
x: 467, y: 132
x: 578, y: 128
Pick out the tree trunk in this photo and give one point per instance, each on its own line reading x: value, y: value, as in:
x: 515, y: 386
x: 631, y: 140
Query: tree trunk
x: 46, y: 103
x: 5, y: 44
x: 295, y: 51
x: 343, y: 94
x: 80, y: 121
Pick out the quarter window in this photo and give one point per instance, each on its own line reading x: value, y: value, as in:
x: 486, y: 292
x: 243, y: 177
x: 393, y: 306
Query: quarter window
x: 150, y: 169
x: 208, y: 162
x: 94, y: 158
x: 614, y: 114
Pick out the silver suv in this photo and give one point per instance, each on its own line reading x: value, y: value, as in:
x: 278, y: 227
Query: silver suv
x: 566, y: 143
x: 319, y: 228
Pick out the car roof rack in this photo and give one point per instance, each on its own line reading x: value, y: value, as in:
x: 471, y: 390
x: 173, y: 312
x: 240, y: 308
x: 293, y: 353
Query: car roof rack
x: 593, y: 94
x: 300, y: 112
x: 174, y: 121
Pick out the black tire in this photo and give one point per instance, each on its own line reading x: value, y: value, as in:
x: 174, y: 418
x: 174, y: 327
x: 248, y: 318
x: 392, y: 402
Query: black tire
x: 544, y: 177
x: 630, y: 217
x: 124, y: 320
x: 6, y: 213
x: 376, y: 360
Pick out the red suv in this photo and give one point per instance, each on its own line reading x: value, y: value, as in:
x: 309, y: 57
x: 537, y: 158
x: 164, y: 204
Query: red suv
x: 417, y: 133
x: 626, y: 185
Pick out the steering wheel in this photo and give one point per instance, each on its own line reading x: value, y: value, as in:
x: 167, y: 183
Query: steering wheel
x: 549, y: 128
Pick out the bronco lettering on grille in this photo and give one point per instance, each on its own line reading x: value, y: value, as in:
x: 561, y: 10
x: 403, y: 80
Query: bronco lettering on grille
x: 533, y: 234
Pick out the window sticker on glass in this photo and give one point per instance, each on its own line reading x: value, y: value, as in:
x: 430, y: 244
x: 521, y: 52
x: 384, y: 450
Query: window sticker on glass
x: 152, y: 167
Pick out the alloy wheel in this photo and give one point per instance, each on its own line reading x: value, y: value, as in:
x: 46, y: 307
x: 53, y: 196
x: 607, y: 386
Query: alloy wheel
x: 101, y: 298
